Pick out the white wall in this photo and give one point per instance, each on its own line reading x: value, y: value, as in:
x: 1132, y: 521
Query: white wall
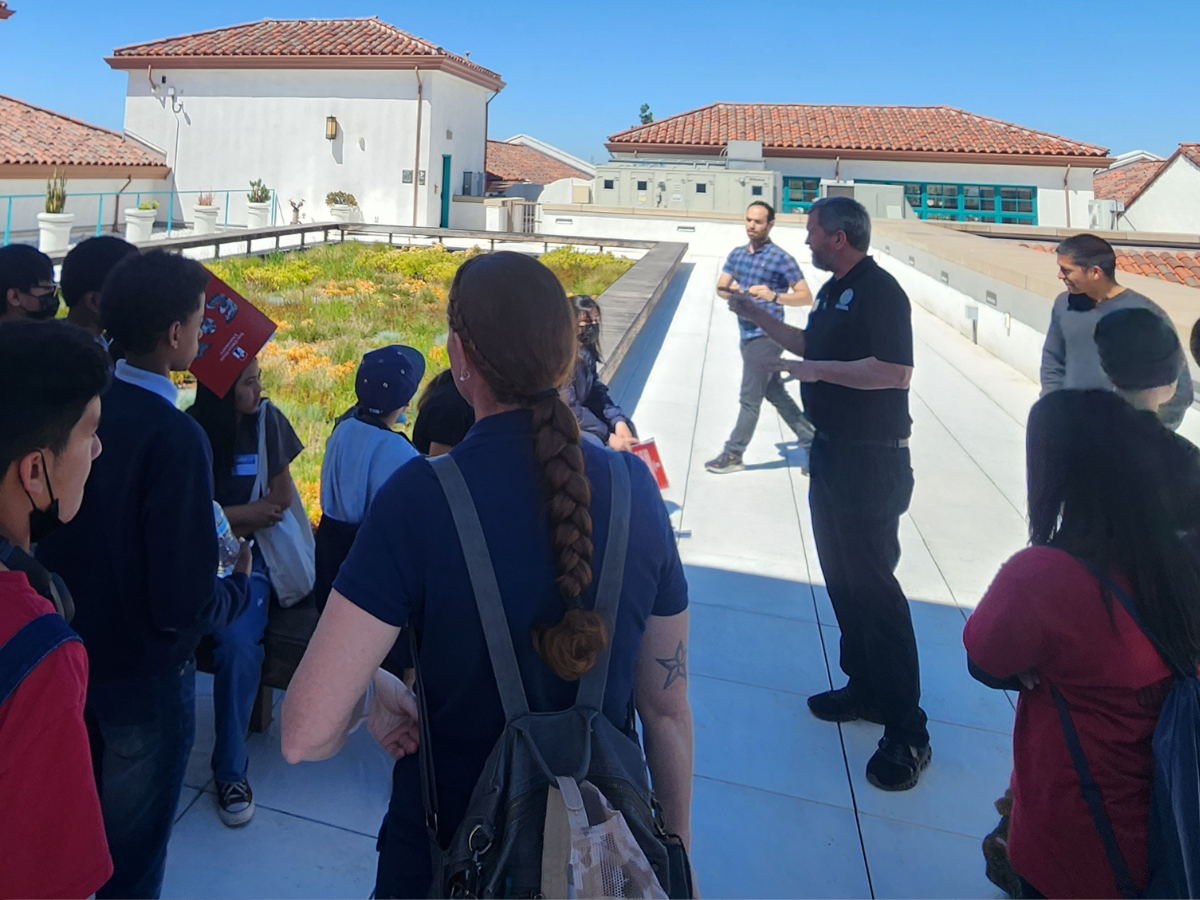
x: 1051, y: 202
x: 468, y: 214
x: 1171, y: 203
x: 238, y: 125
x: 23, y: 222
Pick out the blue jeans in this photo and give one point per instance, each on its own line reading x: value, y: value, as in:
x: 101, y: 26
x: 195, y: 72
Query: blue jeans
x: 237, y: 667
x: 141, y: 733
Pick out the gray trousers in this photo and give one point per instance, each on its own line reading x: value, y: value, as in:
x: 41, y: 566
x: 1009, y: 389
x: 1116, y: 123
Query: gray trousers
x: 759, y: 383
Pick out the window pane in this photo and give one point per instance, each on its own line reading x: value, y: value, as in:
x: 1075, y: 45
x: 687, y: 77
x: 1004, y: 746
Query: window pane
x: 641, y: 186
x: 701, y: 188
x: 1024, y: 193
x: 608, y: 184
x: 970, y: 202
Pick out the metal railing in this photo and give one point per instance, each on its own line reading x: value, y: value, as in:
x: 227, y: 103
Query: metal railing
x: 174, y: 199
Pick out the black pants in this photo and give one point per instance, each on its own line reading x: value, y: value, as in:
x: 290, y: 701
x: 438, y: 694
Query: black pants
x: 857, y: 494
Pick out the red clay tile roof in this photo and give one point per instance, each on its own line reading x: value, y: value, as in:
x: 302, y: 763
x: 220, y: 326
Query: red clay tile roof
x: 1178, y: 267
x: 286, y: 40
x: 1125, y: 182
x: 784, y: 127
x: 519, y: 164
x: 1191, y: 151
x: 31, y: 135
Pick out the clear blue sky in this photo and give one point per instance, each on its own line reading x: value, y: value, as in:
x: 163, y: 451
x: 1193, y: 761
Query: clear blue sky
x: 1118, y: 74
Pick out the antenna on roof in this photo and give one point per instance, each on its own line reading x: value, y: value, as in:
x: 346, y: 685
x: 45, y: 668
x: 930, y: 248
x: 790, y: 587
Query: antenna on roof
x: 467, y: 54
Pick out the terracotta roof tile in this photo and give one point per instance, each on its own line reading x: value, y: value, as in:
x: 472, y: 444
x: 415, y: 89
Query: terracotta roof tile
x: 1124, y: 182
x: 1179, y: 266
x: 297, y: 38
x: 517, y: 163
x: 31, y: 135
x: 784, y: 126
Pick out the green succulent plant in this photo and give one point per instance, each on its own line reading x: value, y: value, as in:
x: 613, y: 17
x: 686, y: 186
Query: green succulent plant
x: 259, y: 192
x: 56, y: 193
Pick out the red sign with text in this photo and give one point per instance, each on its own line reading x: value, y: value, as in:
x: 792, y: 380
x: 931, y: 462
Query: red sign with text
x: 231, y: 333
x: 647, y: 452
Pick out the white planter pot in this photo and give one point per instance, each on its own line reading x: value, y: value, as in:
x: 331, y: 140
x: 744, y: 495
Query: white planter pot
x: 258, y: 215
x: 206, y: 219
x: 54, y: 231
x: 139, y: 224
x: 341, y: 212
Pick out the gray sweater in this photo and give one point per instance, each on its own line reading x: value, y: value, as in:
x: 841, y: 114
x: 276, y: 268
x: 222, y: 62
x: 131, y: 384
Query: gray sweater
x: 1071, y: 361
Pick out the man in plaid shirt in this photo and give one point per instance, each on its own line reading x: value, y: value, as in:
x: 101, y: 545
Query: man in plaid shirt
x: 769, y: 275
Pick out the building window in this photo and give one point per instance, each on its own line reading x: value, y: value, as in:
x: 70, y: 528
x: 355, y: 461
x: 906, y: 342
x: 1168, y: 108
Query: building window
x: 1005, y: 204
x: 642, y: 185
x: 701, y: 188
x: 609, y: 184
x: 800, y: 193
x: 756, y: 190
x: 468, y: 181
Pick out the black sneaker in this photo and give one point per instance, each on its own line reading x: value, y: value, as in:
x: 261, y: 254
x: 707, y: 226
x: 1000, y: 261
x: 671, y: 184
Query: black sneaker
x: 896, y: 766
x: 235, y: 803
x: 726, y: 462
x: 840, y: 706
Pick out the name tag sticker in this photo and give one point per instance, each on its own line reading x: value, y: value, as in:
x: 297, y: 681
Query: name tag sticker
x: 245, y: 465
x: 845, y: 299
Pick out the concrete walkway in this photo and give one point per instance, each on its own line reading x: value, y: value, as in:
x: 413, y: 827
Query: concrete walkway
x: 782, y: 807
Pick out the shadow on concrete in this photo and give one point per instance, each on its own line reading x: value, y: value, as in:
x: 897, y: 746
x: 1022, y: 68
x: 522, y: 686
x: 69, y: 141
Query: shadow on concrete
x: 626, y: 388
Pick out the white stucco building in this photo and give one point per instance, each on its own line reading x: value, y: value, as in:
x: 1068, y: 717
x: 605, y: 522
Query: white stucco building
x: 105, y: 171
x: 952, y: 164
x: 1166, y: 197
x: 310, y: 107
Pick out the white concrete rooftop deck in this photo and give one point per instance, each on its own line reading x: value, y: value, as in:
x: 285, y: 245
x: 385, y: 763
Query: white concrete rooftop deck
x: 782, y: 807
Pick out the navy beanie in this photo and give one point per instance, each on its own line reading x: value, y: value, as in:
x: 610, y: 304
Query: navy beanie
x: 1138, y: 349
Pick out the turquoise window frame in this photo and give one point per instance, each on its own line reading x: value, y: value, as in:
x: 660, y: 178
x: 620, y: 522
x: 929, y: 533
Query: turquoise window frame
x: 808, y: 194
x: 1003, y: 204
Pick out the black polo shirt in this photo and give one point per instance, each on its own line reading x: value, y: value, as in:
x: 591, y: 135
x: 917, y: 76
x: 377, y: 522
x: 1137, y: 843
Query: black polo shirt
x: 862, y: 315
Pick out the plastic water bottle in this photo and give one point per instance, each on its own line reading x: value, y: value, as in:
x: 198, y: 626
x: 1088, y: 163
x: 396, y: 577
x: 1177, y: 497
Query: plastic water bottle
x: 228, y: 546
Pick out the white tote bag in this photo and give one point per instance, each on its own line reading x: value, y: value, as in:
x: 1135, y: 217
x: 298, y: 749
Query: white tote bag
x: 287, y: 547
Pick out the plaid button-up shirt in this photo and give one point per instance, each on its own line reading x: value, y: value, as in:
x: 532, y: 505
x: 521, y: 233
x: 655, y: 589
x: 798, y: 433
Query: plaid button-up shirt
x: 769, y: 265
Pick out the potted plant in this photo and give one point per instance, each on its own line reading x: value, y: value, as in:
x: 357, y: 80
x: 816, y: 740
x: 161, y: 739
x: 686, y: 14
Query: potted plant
x: 206, y: 214
x: 139, y: 223
x: 341, y: 205
x: 54, y: 225
x: 258, y: 209
x: 296, y: 207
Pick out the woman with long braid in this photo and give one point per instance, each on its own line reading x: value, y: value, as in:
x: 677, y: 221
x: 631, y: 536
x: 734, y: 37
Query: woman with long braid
x: 543, y: 502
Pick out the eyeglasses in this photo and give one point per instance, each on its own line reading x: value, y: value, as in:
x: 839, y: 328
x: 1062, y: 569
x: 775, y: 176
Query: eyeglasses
x: 41, y: 290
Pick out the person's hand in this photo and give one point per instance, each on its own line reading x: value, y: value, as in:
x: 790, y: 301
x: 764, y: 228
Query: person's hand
x: 245, y: 559
x: 800, y: 369
x: 1029, y: 679
x: 262, y: 513
x: 393, y: 718
x: 762, y: 292
x: 622, y: 437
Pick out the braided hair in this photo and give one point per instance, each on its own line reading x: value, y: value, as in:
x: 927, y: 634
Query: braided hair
x: 519, y: 330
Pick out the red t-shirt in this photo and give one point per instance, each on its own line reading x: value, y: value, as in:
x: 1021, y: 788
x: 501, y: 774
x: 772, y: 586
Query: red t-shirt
x: 1045, y: 613
x: 51, y: 832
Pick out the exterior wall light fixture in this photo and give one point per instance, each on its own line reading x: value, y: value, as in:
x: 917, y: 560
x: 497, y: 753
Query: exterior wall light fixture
x: 331, y: 128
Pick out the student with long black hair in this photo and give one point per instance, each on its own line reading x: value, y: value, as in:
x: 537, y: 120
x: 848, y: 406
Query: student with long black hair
x: 231, y: 423
x: 586, y: 394
x: 1098, y: 506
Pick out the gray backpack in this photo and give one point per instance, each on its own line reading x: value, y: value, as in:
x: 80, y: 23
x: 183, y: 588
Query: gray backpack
x: 563, y: 807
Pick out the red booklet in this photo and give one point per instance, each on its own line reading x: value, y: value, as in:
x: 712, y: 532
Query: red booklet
x: 647, y: 452
x: 231, y: 333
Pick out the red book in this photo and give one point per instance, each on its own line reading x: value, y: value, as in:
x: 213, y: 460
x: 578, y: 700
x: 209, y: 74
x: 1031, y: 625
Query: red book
x: 647, y: 452
x: 231, y: 334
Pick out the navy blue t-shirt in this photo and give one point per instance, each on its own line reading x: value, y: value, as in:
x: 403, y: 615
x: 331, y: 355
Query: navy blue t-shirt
x: 407, y: 561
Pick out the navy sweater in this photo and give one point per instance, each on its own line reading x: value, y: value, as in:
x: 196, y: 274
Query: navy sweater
x: 140, y: 558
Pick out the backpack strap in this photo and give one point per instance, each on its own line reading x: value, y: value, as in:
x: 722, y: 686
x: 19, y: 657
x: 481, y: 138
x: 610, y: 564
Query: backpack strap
x: 483, y: 582
x: 612, y: 580
x: 1130, y: 607
x: 22, y: 653
x: 1091, y: 794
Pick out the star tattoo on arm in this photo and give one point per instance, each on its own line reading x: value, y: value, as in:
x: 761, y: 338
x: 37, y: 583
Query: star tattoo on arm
x: 676, y: 666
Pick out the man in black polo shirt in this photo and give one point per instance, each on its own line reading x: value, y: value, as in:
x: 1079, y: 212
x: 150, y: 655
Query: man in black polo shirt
x: 855, y: 372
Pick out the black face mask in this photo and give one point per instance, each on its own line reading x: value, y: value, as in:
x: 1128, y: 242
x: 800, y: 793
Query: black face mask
x: 589, y: 335
x: 47, y: 307
x: 42, y: 522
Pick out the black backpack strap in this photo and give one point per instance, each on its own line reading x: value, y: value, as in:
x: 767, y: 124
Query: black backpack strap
x: 425, y: 749
x: 1130, y: 607
x: 483, y: 582
x: 22, y: 653
x: 1091, y: 794
x: 612, y: 579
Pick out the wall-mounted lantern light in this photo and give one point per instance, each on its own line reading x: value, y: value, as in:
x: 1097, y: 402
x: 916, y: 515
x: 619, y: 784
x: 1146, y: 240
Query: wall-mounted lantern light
x: 331, y: 127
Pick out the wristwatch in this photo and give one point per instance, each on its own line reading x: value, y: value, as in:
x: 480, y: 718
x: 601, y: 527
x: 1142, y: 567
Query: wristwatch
x: 775, y: 299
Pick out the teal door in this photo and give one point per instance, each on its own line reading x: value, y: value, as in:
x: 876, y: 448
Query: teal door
x: 445, y: 223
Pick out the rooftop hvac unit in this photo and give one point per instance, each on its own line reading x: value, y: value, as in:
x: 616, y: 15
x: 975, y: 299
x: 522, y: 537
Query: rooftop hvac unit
x: 1103, y: 214
x: 831, y: 188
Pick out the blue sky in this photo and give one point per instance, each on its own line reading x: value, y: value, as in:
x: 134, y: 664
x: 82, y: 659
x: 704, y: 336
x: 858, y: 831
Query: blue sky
x: 1111, y: 73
